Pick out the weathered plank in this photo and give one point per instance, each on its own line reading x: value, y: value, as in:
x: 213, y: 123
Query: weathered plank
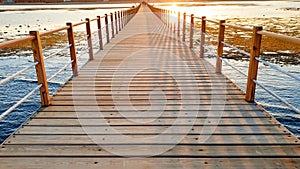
x: 138, y: 163
x: 65, y: 130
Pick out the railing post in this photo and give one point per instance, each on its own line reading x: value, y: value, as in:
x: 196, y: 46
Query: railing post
x: 184, y: 27
x: 122, y: 19
x: 40, y: 68
x: 126, y: 17
x: 112, y: 25
x: 100, y: 32
x: 165, y: 16
x: 72, y: 49
x: 106, y: 28
x: 174, y: 22
x: 192, y: 31
x: 203, y: 31
x: 168, y: 18
x: 119, y: 17
x: 160, y: 14
x: 116, y: 23
x: 89, y: 38
x: 220, y: 46
x: 178, y: 24
x: 253, y: 64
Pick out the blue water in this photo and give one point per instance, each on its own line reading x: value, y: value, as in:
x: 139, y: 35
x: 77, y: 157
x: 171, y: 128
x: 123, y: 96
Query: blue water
x: 282, y: 85
x: 17, y: 88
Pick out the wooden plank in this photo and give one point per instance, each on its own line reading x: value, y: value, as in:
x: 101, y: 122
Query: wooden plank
x: 144, y: 139
x: 155, y: 107
x: 156, y: 121
x: 147, y: 92
x: 149, y: 130
x: 165, y: 114
x: 162, y: 85
x: 147, y: 102
x: 145, y: 97
x: 204, y: 98
x: 138, y: 163
x: 144, y: 150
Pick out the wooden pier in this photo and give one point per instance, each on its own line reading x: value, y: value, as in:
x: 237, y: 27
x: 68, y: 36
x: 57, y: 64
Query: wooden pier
x: 147, y: 101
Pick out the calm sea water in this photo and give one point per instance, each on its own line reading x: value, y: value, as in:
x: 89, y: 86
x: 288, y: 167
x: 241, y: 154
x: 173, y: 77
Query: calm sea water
x: 15, y: 21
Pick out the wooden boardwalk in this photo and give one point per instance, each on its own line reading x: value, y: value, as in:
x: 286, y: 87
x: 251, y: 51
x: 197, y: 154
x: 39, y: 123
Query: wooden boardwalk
x: 149, y: 97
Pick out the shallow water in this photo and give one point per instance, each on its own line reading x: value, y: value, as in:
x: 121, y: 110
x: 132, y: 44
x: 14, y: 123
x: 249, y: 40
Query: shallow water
x: 259, y: 12
x: 18, y: 20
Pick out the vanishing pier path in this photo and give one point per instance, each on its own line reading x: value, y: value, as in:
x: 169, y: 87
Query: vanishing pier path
x: 148, y: 101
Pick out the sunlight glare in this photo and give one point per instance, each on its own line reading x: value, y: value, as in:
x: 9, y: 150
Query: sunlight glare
x: 174, y: 6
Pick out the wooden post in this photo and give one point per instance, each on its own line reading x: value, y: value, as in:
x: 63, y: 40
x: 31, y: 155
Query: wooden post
x: 253, y: 64
x: 122, y: 19
x: 160, y: 14
x: 100, y: 32
x: 203, y: 31
x: 220, y: 46
x: 40, y: 68
x: 168, y: 18
x: 178, y: 24
x: 184, y: 27
x: 174, y: 22
x: 125, y: 17
x: 165, y: 16
x: 119, y: 17
x: 112, y: 25
x: 116, y: 22
x: 192, y: 31
x: 72, y: 49
x: 89, y: 38
x: 106, y: 28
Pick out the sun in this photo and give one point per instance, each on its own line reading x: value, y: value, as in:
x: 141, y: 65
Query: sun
x: 174, y: 6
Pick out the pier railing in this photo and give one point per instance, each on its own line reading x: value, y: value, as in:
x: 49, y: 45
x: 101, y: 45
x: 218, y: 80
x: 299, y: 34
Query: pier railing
x: 106, y: 28
x: 185, y: 30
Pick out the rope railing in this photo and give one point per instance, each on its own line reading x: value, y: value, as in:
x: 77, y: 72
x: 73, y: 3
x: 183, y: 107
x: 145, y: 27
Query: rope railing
x: 277, y: 68
x: 120, y: 19
x: 254, y: 54
x: 235, y: 48
x: 55, y: 53
x: 60, y: 71
x: 211, y: 37
x: 234, y: 67
x: 84, y: 51
x: 25, y: 98
x: 7, y: 79
x: 276, y: 96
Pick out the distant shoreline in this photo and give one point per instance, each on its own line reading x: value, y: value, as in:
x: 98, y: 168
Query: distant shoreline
x: 128, y: 2
x: 67, y: 3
